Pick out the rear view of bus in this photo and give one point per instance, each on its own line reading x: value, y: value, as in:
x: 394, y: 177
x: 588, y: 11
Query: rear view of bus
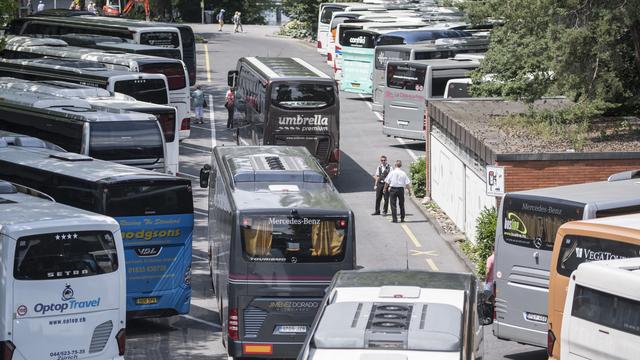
x: 63, y: 281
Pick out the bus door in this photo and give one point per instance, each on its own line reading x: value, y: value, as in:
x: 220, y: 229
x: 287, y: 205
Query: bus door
x: 279, y: 274
x: 156, y: 219
x: 404, y: 100
x: 358, y: 48
x: 382, y: 56
x: 305, y: 114
x: 67, y: 294
x: 526, y: 233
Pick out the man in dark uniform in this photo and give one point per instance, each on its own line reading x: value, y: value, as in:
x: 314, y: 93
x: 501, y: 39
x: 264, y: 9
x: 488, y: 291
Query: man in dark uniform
x: 378, y: 185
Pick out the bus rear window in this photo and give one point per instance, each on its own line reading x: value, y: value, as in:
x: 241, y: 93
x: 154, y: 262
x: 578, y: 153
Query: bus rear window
x: 358, y: 39
x: 125, y: 140
x: 157, y: 38
x: 174, y: 73
x: 153, y: 197
x: 576, y: 250
x: 165, y: 53
x: 384, y: 56
x: 149, y: 90
x: 293, y: 240
x: 64, y: 255
x: 406, y: 77
x: 458, y: 90
x: 302, y: 96
x: 390, y: 40
x: 327, y: 12
x: 440, y: 78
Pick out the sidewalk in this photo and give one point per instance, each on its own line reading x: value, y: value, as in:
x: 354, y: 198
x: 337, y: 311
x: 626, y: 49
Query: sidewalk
x: 202, y: 29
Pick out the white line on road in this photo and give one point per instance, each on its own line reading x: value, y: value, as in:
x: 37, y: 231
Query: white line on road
x: 212, y: 123
x: 194, y: 148
x: 199, y: 257
x: 366, y: 102
x: 378, y: 115
x: 411, y: 153
x: 201, y: 212
x: 189, y: 317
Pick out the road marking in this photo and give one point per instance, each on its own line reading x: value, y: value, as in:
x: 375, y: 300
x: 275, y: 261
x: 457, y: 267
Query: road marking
x: 366, y: 102
x: 427, y: 252
x: 206, y: 62
x: 201, y: 212
x: 378, y: 115
x: 199, y: 257
x: 189, y: 317
x: 432, y: 265
x: 212, y: 123
x: 195, y: 148
x: 411, y: 153
x: 411, y: 235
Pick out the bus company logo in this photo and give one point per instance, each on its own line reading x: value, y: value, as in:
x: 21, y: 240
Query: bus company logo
x: 299, y: 120
x: 67, y: 293
x: 360, y: 40
x: 513, y: 223
x: 150, y: 234
x: 590, y: 255
x: 22, y: 310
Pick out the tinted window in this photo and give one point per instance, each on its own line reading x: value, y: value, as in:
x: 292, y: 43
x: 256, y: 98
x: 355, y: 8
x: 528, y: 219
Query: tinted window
x: 149, y: 90
x: 123, y: 140
x: 458, y: 90
x: 149, y: 198
x: 165, y: 39
x: 302, y: 96
x: 163, y: 52
x: 440, y: 78
x: 576, y: 250
x: 390, y: 40
x: 606, y: 309
x: 406, y: 77
x: 358, y: 39
x: 426, y: 55
x: 384, y: 56
x: 174, y: 73
x: 327, y: 11
x: 297, y: 240
x: 64, y: 255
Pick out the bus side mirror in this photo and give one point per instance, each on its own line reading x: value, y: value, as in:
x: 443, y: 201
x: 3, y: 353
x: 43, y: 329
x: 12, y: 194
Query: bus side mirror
x: 231, y: 78
x: 204, y: 175
x: 485, y: 306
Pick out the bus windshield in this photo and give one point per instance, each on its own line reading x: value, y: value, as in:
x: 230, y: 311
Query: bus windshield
x: 65, y: 255
x: 293, y: 240
x: 302, y: 95
x: 173, y: 71
x: 406, y: 77
x: 149, y: 198
x: 121, y: 140
x: 149, y: 90
x: 164, y: 39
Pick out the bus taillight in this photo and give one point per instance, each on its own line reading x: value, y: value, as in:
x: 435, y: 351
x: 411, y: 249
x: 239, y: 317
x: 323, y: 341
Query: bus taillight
x: 341, y: 224
x: 551, y: 342
x: 168, y: 125
x: 335, y: 156
x: 121, y: 338
x: 233, y: 324
x: 319, y: 44
x: 185, y: 124
x: 6, y: 349
x: 329, y: 56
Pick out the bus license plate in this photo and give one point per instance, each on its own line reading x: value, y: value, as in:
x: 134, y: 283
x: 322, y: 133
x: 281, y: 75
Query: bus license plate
x: 146, y: 301
x: 536, y: 317
x: 355, y: 85
x: 403, y: 123
x: 290, y: 329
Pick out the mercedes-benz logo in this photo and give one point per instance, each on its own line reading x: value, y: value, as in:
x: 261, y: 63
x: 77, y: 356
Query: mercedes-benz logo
x: 537, y: 242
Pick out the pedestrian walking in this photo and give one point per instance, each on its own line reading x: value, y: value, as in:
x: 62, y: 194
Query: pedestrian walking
x: 198, y: 102
x: 75, y: 5
x: 395, y: 183
x: 379, y: 176
x: 237, y: 22
x: 220, y: 19
x: 40, y: 6
x: 229, y: 103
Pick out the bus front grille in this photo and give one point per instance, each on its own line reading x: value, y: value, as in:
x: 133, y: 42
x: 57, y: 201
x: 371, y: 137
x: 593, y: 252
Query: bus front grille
x: 253, y: 319
x: 100, y: 337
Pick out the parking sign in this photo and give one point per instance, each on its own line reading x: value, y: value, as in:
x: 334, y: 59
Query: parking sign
x: 495, y: 180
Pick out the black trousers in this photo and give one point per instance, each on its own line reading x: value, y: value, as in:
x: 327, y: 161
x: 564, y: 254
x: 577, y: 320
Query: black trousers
x: 380, y: 194
x: 230, y: 117
x: 396, y: 193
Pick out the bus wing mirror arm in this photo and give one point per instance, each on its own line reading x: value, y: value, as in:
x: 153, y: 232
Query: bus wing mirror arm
x: 231, y: 78
x: 204, y: 175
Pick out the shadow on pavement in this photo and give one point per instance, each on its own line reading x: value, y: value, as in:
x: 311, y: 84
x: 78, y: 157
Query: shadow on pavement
x: 353, y: 177
x: 528, y: 355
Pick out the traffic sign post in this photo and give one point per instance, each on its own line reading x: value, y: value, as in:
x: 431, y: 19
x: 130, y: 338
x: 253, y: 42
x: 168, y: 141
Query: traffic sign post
x: 495, y: 180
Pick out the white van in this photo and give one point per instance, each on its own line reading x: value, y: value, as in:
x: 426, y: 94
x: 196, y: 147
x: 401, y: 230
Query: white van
x: 602, y: 313
x: 62, y: 293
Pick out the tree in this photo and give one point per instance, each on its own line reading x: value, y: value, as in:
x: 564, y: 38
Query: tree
x: 305, y: 11
x: 588, y: 50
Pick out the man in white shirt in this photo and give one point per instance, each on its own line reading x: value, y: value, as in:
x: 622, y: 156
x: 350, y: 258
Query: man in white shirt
x: 40, y: 6
x: 395, y: 184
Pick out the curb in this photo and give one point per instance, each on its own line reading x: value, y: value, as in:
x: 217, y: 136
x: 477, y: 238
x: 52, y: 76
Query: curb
x: 450, y: 239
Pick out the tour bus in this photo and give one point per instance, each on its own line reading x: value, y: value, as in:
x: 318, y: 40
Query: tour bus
x: 601, y: 315
x: 101, y: 99
x: 577, y: 242
x: 11, y: 138
x: 278, y: 232
x: 439, y: 49
x: 174, y: 70
x: 358, y: 49
x: 525, y: 236
x: 286, y: 101
x: 399, y: 315
x: 145, y: 87
x: 63, y: 281
x: 410, y: 85
x: 179, y: 36
x: 154, y: 210
x: 112, y: 43
x: 128, y: 138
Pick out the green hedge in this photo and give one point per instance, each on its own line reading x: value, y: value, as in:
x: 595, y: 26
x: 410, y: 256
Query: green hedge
x: 418, y: 175
x: 485, y: 237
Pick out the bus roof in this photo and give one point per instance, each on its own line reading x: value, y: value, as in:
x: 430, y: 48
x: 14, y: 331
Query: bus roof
x: 630, y: 222
x: 278, y: 177
x: 621, y: 277
x: 285, y: 67
x: 597, y: 193
x: 79, y: 166
x: 84, y: 68
x: 421, y: 279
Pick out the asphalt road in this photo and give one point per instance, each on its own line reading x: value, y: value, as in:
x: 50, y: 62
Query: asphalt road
x: 381, y: 244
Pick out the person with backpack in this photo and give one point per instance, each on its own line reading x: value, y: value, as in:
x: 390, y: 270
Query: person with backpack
x: 220, y: 19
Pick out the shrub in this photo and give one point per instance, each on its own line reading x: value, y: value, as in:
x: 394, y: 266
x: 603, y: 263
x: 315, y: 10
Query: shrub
x: 485, y: 237
x: 418, y: 175
x: 296, y: 29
